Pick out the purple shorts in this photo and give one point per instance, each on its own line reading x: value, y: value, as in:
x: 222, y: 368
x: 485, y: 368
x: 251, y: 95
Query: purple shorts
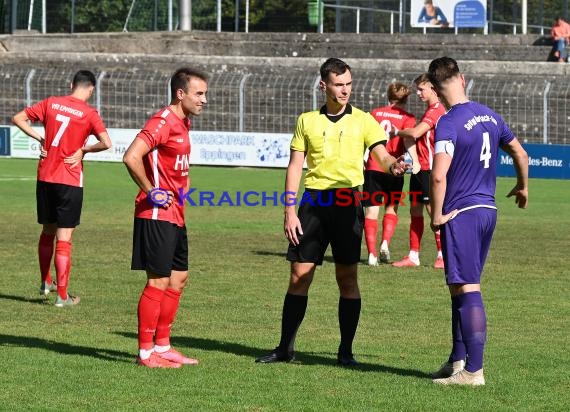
x: 465, y: 242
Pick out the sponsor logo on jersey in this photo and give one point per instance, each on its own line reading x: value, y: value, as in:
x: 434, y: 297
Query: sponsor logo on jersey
x: 65, y: 109
x: 182, y: 161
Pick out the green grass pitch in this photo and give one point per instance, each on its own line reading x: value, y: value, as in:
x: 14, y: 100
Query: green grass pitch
x: 82, y: 358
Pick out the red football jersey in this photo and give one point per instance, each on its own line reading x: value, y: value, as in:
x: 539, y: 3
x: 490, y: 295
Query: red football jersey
x: 425, y: 144
x: 391, y: 118
x: 68, y: 123
x: 166, y: 165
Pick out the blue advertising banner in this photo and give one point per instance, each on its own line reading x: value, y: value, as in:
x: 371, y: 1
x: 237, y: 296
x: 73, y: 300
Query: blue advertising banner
x: 448, y: 13
x: 544, y: 161
x: 4, y: 141
x: 470, y: 13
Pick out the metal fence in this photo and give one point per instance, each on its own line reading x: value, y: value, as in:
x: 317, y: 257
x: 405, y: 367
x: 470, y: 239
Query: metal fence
x: 535, y: 108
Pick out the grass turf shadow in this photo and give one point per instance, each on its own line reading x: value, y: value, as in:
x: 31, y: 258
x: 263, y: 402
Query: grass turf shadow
x: 40, y: 301
x: 303, y: 358
x: 66, y: 348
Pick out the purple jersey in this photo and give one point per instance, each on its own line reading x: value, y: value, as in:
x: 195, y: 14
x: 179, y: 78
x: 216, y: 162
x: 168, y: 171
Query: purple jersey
x: 476, y: 133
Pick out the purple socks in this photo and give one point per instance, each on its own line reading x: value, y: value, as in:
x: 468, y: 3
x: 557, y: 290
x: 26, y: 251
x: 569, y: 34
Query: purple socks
x: 458, y: 351
x: 469, y: 330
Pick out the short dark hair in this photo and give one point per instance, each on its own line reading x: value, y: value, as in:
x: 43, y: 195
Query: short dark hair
x: 181, y: 78
x: 333, y: 65
x: 83, y: 78
x: 422, y: 78
x: 442, y: 69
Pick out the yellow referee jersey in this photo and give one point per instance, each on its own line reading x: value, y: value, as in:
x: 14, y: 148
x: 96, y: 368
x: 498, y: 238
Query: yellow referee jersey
x: 335, y: 150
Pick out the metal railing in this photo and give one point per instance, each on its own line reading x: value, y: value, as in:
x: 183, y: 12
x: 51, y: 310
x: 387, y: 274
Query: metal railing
x: 536, y: 109
x: 358, y: 10
x: 542, y: 30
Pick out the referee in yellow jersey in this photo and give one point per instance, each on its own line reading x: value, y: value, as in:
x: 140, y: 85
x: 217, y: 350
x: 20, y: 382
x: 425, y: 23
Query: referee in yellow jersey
x: 332, y: 140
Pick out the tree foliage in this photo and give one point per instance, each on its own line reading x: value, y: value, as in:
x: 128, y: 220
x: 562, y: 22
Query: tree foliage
x: 88, y: 15
x: 111, y: 15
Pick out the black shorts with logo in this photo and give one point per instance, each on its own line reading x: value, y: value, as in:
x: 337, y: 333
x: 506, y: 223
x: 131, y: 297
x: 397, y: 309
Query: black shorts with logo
x: 381, y: 185
x: 58, y: 203
x: 419, y: 187
x: 159, y: 247
x: 329, y: 219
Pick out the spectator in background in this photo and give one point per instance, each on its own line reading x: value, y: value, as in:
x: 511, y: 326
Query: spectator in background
x: 433, y: 15
x: 392, y: 118
x: 560, y: 35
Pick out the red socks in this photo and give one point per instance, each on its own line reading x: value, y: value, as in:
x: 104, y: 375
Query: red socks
x: 438, y: 241
x: 168, y: 309
x: 389, y: 223
x: 370, y: 233
x: 148, y: 313
x: 156, y: 312
x: 62, y: 266
x: 416, y: 232
x: 45, y: 254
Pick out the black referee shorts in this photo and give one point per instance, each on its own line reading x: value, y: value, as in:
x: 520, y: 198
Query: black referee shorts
x: 159, y: 247
x: 329, y: 219
x: 58, y: 203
